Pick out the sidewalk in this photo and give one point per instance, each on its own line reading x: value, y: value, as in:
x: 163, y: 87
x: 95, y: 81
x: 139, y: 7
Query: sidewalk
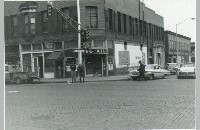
x: 87, y: 79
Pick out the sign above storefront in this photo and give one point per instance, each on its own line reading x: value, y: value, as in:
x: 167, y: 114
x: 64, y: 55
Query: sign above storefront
x: 96, y: 51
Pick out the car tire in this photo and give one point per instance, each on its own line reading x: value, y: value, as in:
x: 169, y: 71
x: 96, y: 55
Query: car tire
x: 134, y: 78
x: 18, y: 80
x: 151, y: 77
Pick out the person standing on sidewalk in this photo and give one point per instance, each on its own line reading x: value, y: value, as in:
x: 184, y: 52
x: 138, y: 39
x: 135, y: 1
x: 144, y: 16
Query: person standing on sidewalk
x: 81, y: 72
x: 59, y: 71
x: 73, y: 72
x: 141, y: 70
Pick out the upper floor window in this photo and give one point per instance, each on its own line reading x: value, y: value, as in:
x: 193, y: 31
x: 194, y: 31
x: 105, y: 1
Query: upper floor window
x: 92, y: 17
x: 130, y: 24
x: 29, y: 19
x: 44, y: 21
x: 48, y: 45
x: 119, y: 21
x: 66, y: 21
x: 14, y: 25
x: 110, y: 19
x: 124, y: 19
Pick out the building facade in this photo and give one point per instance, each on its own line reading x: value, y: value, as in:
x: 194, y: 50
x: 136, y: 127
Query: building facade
x: 184, y: 50
x: 120, y: 36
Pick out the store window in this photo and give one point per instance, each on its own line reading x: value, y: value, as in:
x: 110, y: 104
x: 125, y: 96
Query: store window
x: 92, y: 17
x: 49, y: 67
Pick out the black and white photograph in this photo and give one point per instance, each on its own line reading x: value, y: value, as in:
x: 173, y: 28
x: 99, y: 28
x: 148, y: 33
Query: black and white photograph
x: 99, y: 64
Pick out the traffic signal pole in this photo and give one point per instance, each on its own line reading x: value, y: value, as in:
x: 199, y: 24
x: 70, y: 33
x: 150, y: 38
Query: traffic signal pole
x: 79, y: 34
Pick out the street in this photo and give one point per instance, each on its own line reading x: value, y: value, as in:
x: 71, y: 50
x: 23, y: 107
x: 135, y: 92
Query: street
x: 115, y: 105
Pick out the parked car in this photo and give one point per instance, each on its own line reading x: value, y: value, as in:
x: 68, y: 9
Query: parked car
x: 14, y: 74
x: 173, y: 67
x: 152, y: 71
x: 186, y: 71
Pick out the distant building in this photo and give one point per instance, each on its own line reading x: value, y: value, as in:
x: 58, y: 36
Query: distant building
x: 119, y: 38
x: 171, y: 47
x: 193, y: 51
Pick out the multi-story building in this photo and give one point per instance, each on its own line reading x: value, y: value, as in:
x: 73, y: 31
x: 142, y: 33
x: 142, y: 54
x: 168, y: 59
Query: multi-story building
x: 171, y: 46
x: 121, y: 34
x: 193, y: 51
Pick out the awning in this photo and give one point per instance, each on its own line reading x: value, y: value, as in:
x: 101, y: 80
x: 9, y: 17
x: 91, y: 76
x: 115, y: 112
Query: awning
x: 55, y: 55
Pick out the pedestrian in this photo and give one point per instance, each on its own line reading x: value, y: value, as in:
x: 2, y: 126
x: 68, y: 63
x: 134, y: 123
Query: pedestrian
x: 81, y: 73
x: 141, y: 70
x: 59, y: 71
x: 73, y: 72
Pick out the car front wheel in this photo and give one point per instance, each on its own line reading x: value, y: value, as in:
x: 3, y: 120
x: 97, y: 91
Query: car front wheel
x: 151, y: 76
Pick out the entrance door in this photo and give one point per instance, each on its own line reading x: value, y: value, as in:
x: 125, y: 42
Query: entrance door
x: 93, y: 64
x: 40, y: 63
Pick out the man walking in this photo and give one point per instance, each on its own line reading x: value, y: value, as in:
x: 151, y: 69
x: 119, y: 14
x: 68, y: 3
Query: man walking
x: 73, y: 73
x: 81, y: 72
x: 141, y: 70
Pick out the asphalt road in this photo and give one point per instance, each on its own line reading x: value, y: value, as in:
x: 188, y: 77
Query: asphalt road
x: 115, y: 105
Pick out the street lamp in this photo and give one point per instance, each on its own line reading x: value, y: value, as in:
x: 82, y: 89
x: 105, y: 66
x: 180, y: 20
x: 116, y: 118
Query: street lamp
x: 176, y: 36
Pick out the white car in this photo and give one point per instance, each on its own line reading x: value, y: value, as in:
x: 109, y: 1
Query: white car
x: 152, y: 71
x: 186, y: 71
x: 156, y: 71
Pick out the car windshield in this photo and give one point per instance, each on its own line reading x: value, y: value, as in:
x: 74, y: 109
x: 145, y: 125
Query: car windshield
x: 149, y: 67
x: 172, y: 65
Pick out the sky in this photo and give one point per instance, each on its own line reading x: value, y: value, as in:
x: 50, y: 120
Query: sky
x: 174, y: 12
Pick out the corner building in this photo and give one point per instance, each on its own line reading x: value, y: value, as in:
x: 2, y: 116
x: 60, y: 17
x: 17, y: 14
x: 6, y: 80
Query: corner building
x: 121, y: 33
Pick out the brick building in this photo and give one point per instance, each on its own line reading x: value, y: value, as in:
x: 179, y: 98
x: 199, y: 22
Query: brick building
x: 184, y: 50
x: 120, y: 36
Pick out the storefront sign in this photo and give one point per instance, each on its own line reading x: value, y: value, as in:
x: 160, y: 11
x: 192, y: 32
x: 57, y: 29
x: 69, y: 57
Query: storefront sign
x: 124, y: 58
x: 96, y: 51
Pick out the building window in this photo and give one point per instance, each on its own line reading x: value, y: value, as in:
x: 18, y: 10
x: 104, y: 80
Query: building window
x: 136, y: 24
x: 140, y: 24
x: 125, y: 45
x: 48, y: 45
x: 124, y: 20
x: 66, y: 22
x: 29, y: 20
x: 58, y: 45
x: 26, y: 47
x: 44, y: 21
x: 92, y: 17
x: 37, y: 46
x: 14, y: 25
x: 130, y: 24
x: 119, y: 21
x: 110, y: 19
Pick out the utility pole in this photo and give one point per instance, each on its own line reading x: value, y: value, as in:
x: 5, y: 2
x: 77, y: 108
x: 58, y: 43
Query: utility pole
x: 79, y: 34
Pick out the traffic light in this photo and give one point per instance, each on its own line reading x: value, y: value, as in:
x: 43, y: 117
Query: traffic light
x: 83, y: 35
x: 82, y: 45
x: 49, y: 10
x: 87, y: 35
